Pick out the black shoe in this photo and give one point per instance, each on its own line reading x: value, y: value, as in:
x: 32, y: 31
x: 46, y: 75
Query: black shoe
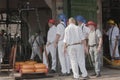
x: 68, y: 74
x: 98, y: 75
x: 52, y: 71
x: 71, y: 71
x: 62, y: 74
x: 93, y: 74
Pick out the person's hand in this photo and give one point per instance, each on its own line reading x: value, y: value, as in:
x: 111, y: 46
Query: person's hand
x: 98, y: 49
x: 44, y: 47
x: 104, y: 32
x: 55, y: 44
x: 86, y: 50
x: 48, y: 44
x: 65, y: 50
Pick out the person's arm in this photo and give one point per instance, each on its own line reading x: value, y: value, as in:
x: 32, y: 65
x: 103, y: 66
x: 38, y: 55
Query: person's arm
x: 51, y: 36
x: 48, y: 38
x: 105, y: 32
x: 65, y: 47
x: 85, y: 46
x: 83, y: 40
x: 65, y: 40
x: 56, y: 40
x: 100, y: 44
x: 58, y: 32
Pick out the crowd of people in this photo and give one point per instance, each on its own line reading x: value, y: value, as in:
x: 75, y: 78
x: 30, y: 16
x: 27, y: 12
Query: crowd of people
x: 73, y: 39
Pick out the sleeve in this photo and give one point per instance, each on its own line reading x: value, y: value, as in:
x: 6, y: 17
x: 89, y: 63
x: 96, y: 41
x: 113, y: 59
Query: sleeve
x: 54, y: 34
x: 98, y: 32
x: 65, y: 36
x: 59, y: 29
x: 48, y: 36
x: 116, y: 31
x: 81, y: 35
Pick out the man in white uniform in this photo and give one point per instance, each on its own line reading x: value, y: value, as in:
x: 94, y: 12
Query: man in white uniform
x: 36, y: 42
x: 81, y: 23
x: 63, y: 58
x: 50, y: 45
x: 95, y: 46
x: 113, y: 34
x: 75, y: 44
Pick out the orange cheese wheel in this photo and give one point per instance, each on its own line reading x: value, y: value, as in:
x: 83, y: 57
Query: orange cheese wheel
x: 27, y: 66
x: 27, y: 70
x: 19, y: 63
x: 31, y: 63
x: 41, y: 70
x: 40, y: 66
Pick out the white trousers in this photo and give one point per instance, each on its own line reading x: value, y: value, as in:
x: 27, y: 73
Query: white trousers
x: 36, y: 51
x: 111, y: 45
x: 77, y: 58
x: 52, y: 50
x: 63, y: 58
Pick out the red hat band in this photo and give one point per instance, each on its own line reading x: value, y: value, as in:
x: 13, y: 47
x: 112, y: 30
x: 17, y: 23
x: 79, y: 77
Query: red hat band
x: 51, y: 21
x: 91, y: 23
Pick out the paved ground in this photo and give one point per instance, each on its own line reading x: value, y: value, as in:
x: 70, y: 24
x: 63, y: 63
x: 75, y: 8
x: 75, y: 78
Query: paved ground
x: 107, y: 74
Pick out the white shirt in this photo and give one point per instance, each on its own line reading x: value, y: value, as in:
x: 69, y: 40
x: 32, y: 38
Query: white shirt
x: 73, y: 34
x: 51, y: 34
x: 31, y: 40
x: 85, y: 30
x: 61, y: 30
x: 36, y: 41
x: 114, y: 31
x: 94, y: 37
